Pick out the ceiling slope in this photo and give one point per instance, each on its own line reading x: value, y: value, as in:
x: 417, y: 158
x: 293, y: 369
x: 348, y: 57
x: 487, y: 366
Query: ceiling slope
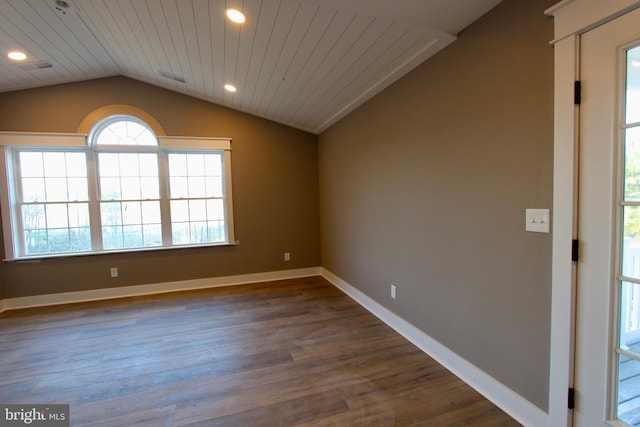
x: 303, y: 63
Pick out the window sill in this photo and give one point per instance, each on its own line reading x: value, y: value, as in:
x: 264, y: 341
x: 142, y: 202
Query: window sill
x: 37, y: 258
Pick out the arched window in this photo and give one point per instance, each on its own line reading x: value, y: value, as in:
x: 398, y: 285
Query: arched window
x: 123, y: 130
x: 124, y: 188
x: 128, y: 183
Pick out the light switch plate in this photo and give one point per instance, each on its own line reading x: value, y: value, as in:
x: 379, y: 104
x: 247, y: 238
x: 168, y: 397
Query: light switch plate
x: 537, y: 220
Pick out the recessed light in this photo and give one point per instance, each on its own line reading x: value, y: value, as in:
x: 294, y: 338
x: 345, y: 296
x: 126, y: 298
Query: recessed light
x: 230, y: 88
x: 17, y: 55
x: 236, y: 16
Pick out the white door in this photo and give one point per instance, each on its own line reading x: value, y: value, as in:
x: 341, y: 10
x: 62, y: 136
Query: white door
x: 607, y: 364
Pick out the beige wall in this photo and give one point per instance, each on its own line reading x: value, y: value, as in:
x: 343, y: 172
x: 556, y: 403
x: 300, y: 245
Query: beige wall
x: 275, y: 189
x: 426, y: 187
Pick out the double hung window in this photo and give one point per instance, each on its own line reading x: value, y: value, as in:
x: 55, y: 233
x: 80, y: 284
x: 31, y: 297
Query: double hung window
x: 120, y: 189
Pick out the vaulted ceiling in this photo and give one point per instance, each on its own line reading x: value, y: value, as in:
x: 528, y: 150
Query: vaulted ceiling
x: 304, y: 63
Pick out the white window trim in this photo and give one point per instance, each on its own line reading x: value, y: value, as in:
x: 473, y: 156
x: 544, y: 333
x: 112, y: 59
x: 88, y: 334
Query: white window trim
x: 70, y: 140
x: 193, y: 143
x: 41, y: 139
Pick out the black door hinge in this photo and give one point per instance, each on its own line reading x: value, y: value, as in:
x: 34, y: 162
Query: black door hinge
x: 575, y: 250
x: 571, y: 398
x: 577, y: 92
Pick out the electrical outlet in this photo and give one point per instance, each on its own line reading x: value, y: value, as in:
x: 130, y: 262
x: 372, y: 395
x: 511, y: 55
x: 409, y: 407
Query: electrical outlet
x: 393, y: 291
x: 287, y: 256
x: 114, y: 272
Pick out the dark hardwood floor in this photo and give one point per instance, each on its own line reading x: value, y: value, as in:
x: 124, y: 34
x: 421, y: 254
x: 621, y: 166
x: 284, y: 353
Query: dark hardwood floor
x: 288, y: 353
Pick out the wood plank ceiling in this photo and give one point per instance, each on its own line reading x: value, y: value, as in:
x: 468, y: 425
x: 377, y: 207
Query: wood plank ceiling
x: 304, y: 63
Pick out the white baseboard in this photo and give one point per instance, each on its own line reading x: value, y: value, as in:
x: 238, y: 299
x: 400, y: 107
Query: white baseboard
x: 506, y: 399
x: 155, y: 288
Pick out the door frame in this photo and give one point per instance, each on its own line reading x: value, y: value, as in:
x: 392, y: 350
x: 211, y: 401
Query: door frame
x: 572, y: 18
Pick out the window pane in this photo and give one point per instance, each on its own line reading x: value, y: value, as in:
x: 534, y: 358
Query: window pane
x: 179, y: 211
x: 80, y: 239
x: 76, y: 164
x: 109, y: 164
x: 150, y: 212
x: 77, y: 189
x: 58, y: 240
x: 198, y: 232
x: 197, y: 221
x: 132, y: 236
x: 57, y: 216
x: 33, y: 217
x: 119, y: 128
x: 197, y: 176
x: 146, y: 138
x: 152, y: 235
x: 150, y: 188
x: 197, y: 210
x: 628, y: 389
x: 148, y: 165
x: 54, y: 164
x: 125, y: 224
x: 120, y: 131
x: 56, y: 228
x: 178, y: 164
x: 129, y: 164
x: 35, y: 241
x: 110, y: 189
x: 196, y: 186
x: 33, y: 190
x: 180, y: 233
x: 131, y: 188
x: 179, y: 188
x: 112, y: 237
x: 632, y: 164
x: 140, y: 179
x: 31, y: 164
x: 215, y: 209
x: 213, y: 164
x: 633, y: 85
x: 631, y: 243
x: 630, y: 316
x: 53, y: 176
x: 131, y: 213
x: 56, y: 189
x: 108, y: 137
x: 214, y: 187
x: 79, y: 215
x: 134, y: 130
x: 195, y: 164
x: 111, y: 213
x: 216, y: 231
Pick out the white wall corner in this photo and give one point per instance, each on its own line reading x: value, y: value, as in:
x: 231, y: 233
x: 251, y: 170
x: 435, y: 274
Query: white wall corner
x: 506, y: 399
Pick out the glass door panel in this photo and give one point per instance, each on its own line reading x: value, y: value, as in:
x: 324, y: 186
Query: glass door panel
x: 628, y: 345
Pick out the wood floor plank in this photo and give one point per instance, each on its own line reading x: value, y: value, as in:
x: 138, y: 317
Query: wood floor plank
x: 291, y: 353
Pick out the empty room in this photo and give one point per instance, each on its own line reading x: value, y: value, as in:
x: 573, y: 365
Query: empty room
x: 320, y: 213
